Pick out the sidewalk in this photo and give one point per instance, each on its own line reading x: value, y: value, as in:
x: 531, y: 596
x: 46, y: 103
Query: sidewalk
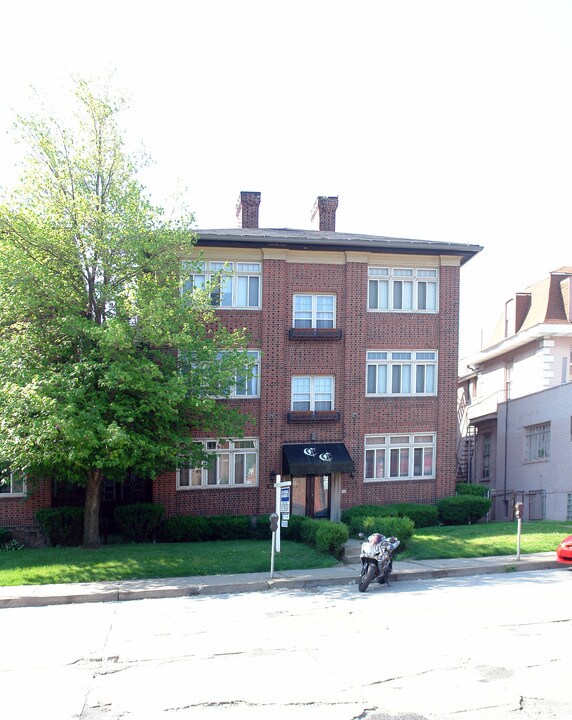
x: 403, y: 570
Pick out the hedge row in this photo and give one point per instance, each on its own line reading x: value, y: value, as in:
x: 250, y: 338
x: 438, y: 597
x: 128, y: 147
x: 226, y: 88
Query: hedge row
x: 463, y: 509
x: 422, y: 515
x: 144, y: 522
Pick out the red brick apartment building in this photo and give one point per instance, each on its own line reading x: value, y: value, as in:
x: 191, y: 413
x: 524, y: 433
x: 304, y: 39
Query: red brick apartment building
x: 356, y: 337
x: 356, y: 343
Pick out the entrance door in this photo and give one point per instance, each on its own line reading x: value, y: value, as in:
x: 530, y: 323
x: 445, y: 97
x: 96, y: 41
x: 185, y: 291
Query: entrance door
x: 311, y: 496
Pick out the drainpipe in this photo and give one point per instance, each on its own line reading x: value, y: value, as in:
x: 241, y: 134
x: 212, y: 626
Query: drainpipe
x: 506, y: 439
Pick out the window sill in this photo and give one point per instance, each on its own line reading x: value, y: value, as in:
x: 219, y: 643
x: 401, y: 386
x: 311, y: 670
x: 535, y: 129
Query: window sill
x: 314, y: 334
x: 191, y: 488
x: 303, y: 416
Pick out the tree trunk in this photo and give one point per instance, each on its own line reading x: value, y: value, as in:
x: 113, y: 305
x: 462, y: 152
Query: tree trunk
x: 91, y: 510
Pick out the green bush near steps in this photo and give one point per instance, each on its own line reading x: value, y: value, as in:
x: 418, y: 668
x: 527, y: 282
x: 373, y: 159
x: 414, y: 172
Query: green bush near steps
x: 331, y: 537
x: 391, y: 526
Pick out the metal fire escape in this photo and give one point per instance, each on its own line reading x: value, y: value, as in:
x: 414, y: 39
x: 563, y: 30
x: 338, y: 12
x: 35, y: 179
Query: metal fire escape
x: 466, y: 445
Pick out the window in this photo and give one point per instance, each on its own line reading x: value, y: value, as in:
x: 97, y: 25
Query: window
x: 402, y: 289
x: 312, y: 393
x: 537, y: 442
x: 401, y: 372
x: 12, y: 483
x: 486, y: 455
x: 231, y: 463
x: 314, y: 311
x: 232, y: 285
x: 569, y: 507
x: 247, y: 385
x: 399, y: 457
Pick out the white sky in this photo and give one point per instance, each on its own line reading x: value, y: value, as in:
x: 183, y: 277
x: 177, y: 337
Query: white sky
x: 445, y: 120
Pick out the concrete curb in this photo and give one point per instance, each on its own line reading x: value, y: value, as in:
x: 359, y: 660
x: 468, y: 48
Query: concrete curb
x: 405, y: 570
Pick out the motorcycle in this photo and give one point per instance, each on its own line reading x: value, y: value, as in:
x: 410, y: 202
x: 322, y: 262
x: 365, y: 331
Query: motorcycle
x: 376, y: 559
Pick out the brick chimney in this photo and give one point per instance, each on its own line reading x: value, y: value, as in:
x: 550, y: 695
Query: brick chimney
x: 326, y: 208
x: 247, y: 209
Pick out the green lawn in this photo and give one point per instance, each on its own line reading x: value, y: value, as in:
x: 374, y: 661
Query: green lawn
x: 484, y: 539
x: 132, y: 562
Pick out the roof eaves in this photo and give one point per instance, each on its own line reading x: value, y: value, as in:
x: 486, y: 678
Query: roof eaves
x: 332, y: 240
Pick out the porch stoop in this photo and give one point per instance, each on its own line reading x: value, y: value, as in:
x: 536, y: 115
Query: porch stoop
x: 351, y: 552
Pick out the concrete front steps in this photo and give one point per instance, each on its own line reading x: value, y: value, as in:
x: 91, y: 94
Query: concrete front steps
x: 351, y: 552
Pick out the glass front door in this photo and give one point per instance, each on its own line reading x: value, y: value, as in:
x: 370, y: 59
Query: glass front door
x: 311, y: 496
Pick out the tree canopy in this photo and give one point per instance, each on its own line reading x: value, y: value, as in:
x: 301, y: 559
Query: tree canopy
x: 95, y: 317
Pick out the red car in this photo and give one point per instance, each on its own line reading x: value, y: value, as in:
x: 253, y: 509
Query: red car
x: 564, y: 551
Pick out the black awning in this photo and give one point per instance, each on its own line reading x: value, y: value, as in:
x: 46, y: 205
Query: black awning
x: 316, y: 459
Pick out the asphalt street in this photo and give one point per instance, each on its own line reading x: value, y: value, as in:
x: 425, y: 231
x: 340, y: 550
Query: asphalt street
x: 492, y: 647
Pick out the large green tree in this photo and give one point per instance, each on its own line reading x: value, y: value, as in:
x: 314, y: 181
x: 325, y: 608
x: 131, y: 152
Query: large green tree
x: 106, y: 361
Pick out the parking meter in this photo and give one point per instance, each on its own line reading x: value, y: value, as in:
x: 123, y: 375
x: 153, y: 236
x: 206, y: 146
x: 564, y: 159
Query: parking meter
x: 518, y: 511
x: 273, y: 522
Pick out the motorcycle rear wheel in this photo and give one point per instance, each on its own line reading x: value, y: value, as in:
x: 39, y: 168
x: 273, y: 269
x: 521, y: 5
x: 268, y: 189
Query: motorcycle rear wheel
x: 370, y: 573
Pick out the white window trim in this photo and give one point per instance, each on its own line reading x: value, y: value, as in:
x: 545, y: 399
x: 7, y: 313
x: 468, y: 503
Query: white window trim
x: 255, y: 377
x: 231, y: 270
x: 389, y: 362
x: 202, y: 474
x: 314, y: 318
x: 313, y: 379
x: 388, y: 442
x: 395, y: 275
x: 537, y: 438
x: 11, y: 493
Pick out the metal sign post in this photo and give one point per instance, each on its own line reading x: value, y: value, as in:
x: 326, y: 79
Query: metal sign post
x: 273, y: 529
x: 281, y: 502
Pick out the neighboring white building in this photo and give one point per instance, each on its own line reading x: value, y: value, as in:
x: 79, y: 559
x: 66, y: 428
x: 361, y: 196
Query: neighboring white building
x: 515, y: 405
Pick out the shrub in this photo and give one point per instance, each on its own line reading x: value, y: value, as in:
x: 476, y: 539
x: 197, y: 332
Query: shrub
x: 294, y: 529
x: 184, y: 528
x: 61, y: 526
x: 261, y: 529
x: 5, y: 536
x: 139, y: 522
x: 359, y: 511
x: 401, y: 527
x: 471, y: 489
x: 309, y: 530
x: 11, y: 545
x: 229, y: 527
x: 462, y: 509
x: 422, y: 515
x: 330, y: 537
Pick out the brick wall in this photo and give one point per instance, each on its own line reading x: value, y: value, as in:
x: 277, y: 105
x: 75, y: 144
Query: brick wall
x: 345, y: 360
x: 19, y: 512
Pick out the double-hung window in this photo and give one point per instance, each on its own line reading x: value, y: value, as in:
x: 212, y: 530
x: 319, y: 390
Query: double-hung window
x: 12, y: 483
x: 314, y: 311
x: 486, y: 455
x: 401, y: 372
x: 402, y: 289
x: 537, y: 442
x: 399, y: 457
x: 231, y: 284
x: 231, y: 463
x: 314, y: 393
x: 247, y: 383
